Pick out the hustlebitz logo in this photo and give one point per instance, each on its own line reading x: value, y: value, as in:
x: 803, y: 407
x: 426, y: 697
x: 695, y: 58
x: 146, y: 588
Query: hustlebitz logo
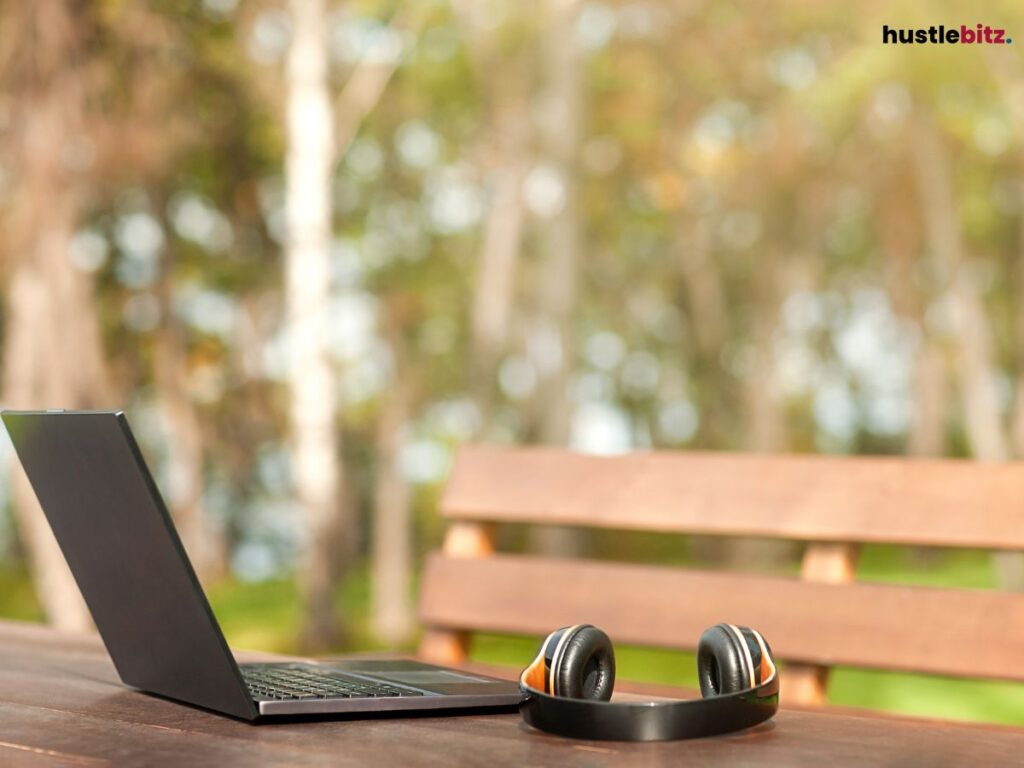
x: 979, y: 34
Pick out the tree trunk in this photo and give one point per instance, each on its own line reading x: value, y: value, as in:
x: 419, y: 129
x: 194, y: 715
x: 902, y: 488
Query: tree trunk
x: 1018, y: 416
x: 552, y: 333
x: 184, y: 449
x: 974, y: 341
x: 703, y: 286
x: 707, y: 319
x: 1013, y: 97
x: 928, y: 433
x: 556, y: 290
x: 391, y: 606
x: 973, y: 336
x: 1011, y: 565
x: 505, y: 153
x: 183, y: 429
x: 765, y: 431
x: 901, y: 242
x: 53, y: 355
x: 52, y: 359
x: 494, y: 285
x: 313, y: 400
x: 49, y: 311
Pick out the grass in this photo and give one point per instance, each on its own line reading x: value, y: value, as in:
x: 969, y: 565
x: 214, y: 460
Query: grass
x: 258, y: 616
x: 265, y: 616
x: 17, y: 599
x: 962, y: 568
x: 929, y: 696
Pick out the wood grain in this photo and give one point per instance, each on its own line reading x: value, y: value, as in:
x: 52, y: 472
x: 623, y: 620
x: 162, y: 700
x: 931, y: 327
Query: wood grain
x: 62, y: 705
x: 952, y: 632
x: 946, y: 502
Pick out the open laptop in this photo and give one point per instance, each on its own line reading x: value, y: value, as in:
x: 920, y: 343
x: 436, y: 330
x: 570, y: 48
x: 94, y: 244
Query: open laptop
x: 125, y: 554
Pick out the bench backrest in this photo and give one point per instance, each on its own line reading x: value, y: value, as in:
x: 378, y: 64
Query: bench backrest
x: 820, y: 619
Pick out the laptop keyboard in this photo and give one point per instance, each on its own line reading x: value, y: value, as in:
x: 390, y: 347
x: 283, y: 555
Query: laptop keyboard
x: 273, y: 682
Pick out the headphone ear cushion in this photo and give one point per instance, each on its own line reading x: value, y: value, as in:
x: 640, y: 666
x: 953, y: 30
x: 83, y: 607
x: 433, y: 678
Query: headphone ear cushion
x: 585, y: 668
x: 721, y: 665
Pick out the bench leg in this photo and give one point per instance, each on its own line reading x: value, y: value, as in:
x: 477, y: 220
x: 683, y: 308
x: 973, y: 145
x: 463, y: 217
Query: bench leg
x: 444, y: 646
x: 804, y: 685
x: 831, y: 563
x: 463, y: 539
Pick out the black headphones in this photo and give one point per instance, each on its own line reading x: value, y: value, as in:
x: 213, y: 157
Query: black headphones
x: 569, y: 684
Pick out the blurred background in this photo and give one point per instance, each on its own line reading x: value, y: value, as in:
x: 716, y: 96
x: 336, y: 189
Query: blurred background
x: 311, y: 247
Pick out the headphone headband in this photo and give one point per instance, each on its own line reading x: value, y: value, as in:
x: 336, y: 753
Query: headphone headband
x: 653, y: 720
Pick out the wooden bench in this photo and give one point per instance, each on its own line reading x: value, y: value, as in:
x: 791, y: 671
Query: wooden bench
x: 815, y: 621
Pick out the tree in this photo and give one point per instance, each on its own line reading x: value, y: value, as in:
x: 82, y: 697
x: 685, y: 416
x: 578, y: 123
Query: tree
x: 313, y: 399
x: 975, y: 346
x: 551, y: 330
x: 53, y: 352
x: 392, y: 554
x: 503, y: 153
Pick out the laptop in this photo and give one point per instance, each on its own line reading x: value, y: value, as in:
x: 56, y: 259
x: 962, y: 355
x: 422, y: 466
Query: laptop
x: 117, y: 536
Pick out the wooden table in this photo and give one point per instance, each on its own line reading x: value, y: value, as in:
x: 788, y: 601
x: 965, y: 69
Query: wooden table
x: 62, y: 704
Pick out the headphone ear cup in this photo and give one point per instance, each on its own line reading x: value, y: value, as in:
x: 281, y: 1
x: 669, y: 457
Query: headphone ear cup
x: 721, y: 663
x: 585, y: 666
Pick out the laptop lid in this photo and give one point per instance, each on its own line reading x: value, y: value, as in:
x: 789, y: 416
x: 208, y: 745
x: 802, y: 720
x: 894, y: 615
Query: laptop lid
x: 118, y: 538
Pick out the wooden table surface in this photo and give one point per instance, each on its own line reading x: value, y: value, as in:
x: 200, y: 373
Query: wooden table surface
x: 61, y: 704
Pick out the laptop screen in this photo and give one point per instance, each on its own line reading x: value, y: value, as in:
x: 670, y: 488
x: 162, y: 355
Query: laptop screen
x: 118, y: 538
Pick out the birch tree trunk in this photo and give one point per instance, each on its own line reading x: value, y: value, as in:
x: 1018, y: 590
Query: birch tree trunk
x: 52, y: 351
x: 552, y: 333
x: 313, y: 399
x: 316, y: 140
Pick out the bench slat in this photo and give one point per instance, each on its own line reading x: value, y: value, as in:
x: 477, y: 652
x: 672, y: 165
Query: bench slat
x: 943, y: 502
x: 969, y: 633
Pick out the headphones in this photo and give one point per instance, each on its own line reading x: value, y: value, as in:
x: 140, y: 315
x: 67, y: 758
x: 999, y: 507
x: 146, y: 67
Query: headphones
x: 568, y: 686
